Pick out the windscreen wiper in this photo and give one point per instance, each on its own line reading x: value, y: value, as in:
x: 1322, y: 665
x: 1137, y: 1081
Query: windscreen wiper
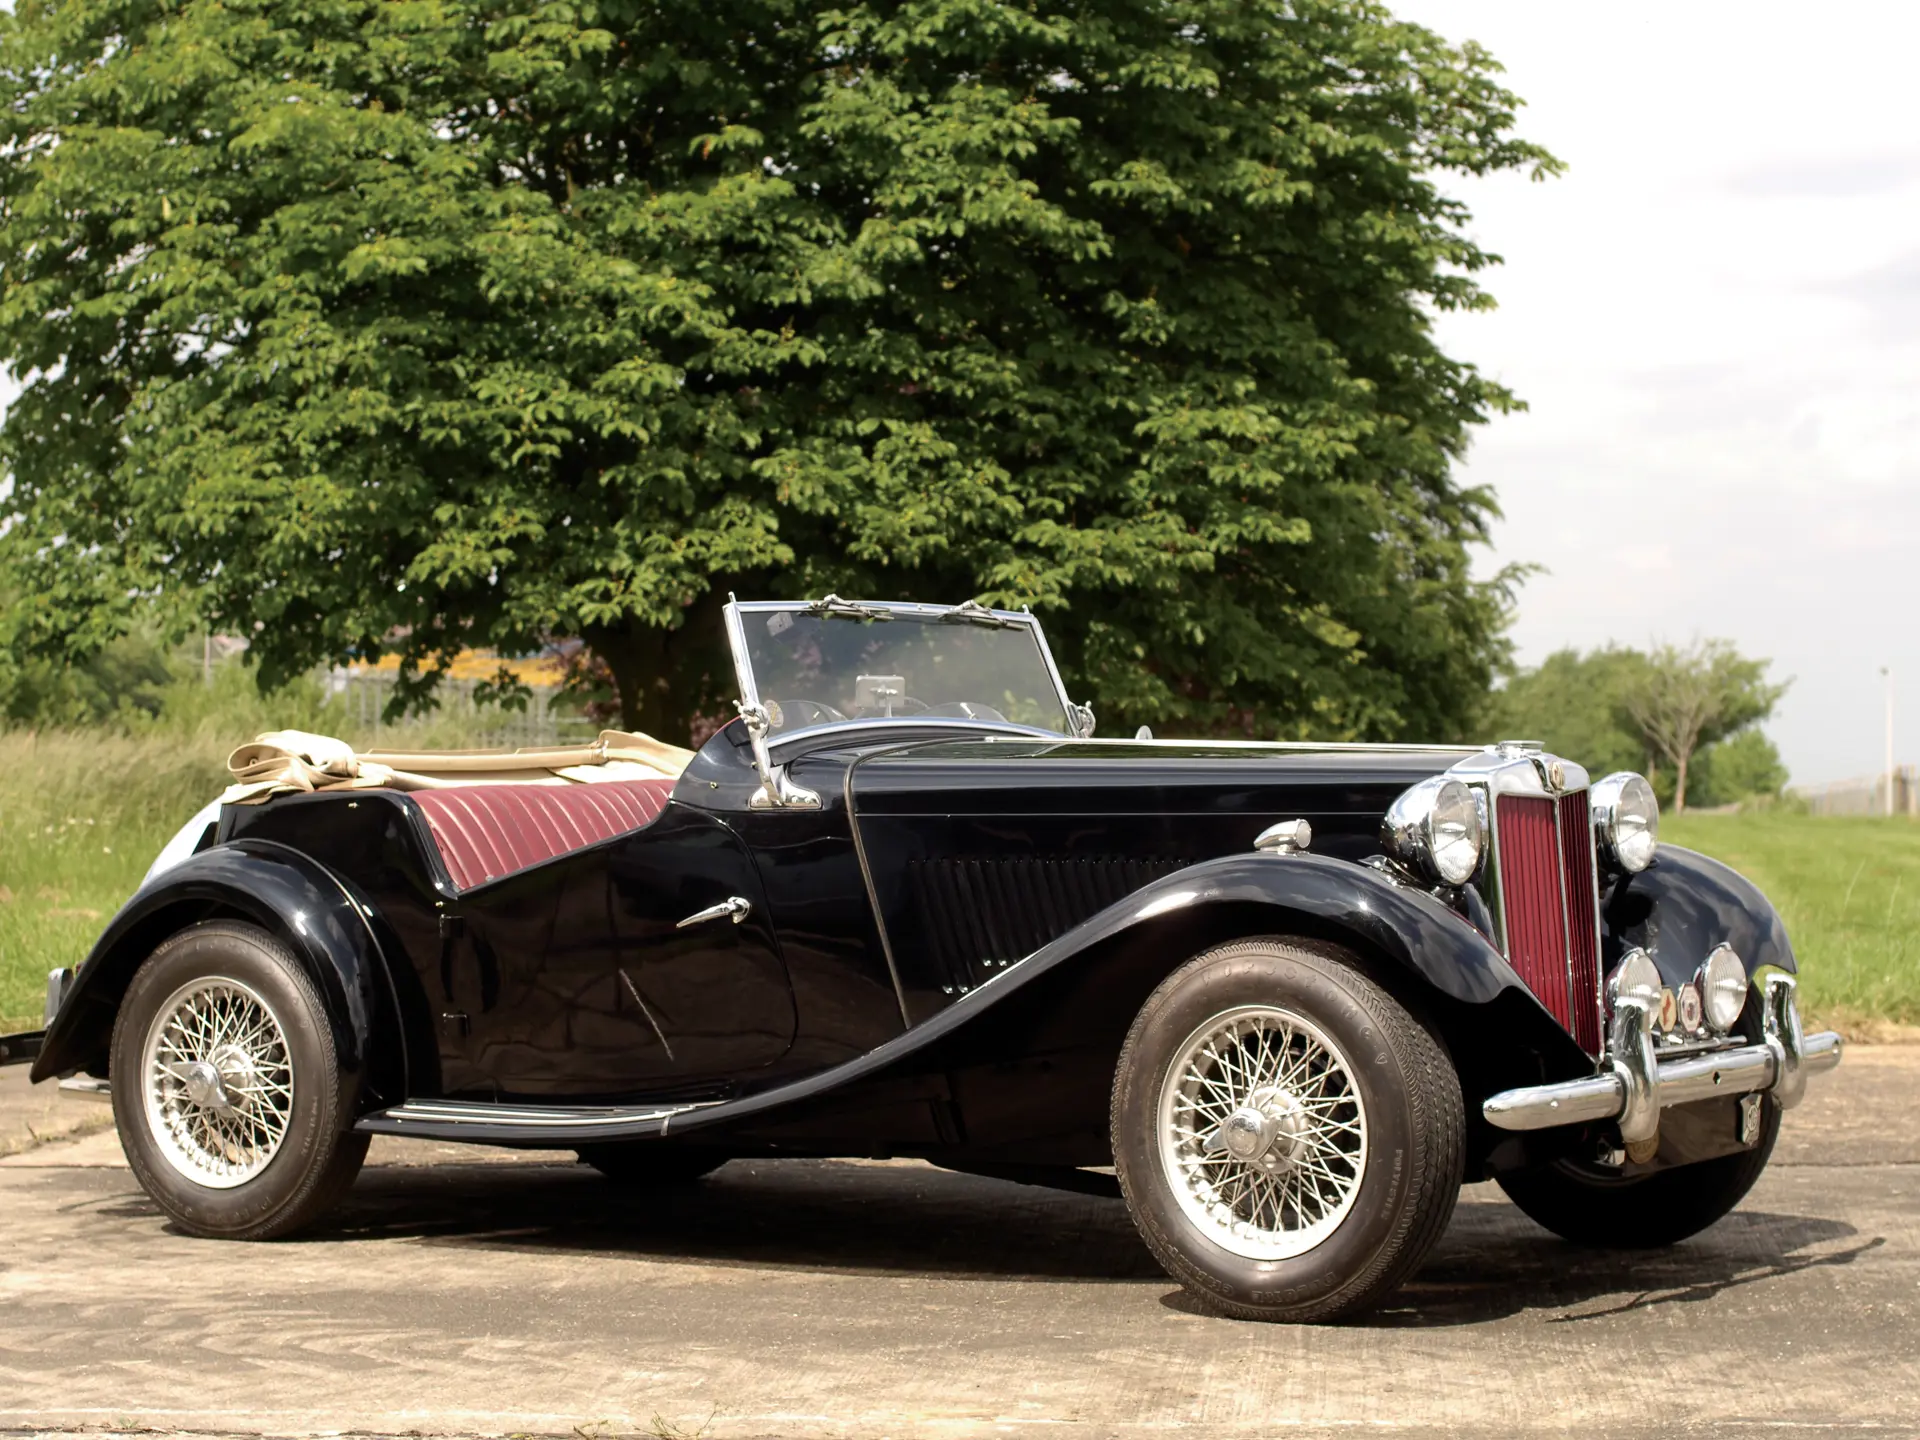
x: 852, y: 609
x: 972, y: 612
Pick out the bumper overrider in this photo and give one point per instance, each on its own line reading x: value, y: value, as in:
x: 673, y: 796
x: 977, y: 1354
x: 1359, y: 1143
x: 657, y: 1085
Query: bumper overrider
x: 1635, y: 1085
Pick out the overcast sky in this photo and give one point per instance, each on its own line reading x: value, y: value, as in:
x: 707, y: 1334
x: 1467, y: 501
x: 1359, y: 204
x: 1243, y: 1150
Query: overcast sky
x: 1715, y: 316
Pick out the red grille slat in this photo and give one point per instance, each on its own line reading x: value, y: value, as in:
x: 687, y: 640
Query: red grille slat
x: 1583, y: 958
x: 1530, y: 885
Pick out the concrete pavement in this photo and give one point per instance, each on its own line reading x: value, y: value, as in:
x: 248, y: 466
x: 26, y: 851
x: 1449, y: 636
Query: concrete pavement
x: 457, y: 1294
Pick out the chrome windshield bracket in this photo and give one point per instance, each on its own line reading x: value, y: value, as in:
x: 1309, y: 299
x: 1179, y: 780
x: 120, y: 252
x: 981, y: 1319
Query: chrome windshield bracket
x: 853, y: 609
x: 777, y: 791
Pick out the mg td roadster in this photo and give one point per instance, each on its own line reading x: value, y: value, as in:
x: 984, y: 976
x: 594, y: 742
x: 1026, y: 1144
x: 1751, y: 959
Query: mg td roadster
x: 905, y: 904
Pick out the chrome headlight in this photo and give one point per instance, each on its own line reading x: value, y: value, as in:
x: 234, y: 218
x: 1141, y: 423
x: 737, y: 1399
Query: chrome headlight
x: 1723, y: 988
x: 1626, y: 819
x: 1435, y: 828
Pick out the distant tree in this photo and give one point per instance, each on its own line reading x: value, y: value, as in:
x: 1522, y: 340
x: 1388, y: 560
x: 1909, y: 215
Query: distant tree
x: 1575, y: 705
x: 1740, y: 767
x: 1687, y: 697
x: 357, y: 326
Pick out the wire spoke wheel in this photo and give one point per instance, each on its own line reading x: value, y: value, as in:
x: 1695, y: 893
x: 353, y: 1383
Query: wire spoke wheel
x: 217, y: 1082
x: 1263, y: 1134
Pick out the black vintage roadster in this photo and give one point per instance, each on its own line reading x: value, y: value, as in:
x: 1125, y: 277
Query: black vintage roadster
x: 905, y: 904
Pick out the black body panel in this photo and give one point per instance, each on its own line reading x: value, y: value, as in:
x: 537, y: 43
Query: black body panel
x: 982, y: 851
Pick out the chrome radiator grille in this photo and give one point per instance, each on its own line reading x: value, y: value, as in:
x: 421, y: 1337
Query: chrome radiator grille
x: 1546, y: 873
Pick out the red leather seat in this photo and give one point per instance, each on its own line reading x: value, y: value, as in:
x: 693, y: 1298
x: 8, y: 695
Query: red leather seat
x: 486, y: 831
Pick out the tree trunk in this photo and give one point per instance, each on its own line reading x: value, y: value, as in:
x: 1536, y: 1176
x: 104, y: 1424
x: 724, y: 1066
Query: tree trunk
x: 1680, y: 783
x: 665, y: 679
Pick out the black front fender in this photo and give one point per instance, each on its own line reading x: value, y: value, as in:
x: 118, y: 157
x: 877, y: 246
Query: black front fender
x: 282, y: 891
x: 1683, y: 905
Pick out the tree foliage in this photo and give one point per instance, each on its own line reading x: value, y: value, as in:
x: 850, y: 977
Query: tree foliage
x: 375, y: 325
x: 1691, y: 696
x: 1686, y: 716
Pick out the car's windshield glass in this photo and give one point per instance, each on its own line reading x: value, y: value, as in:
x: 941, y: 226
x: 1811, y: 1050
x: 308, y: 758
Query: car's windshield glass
x: 814, y: 669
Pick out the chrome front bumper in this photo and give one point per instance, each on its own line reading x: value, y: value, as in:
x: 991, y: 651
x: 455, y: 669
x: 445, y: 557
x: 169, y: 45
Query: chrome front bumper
x: 1638, y: 1085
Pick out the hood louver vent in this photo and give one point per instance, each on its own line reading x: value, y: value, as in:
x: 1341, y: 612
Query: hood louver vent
x: 980, y: 916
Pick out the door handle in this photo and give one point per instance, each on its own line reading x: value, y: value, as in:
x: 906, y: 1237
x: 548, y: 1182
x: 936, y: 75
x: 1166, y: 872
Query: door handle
x: 733, y: 907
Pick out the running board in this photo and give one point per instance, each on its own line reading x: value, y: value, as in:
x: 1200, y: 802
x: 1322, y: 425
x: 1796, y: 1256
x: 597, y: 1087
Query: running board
x: 524, y: 1124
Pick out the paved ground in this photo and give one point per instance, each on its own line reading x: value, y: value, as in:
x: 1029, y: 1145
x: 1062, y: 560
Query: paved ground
x: 829, y: 1299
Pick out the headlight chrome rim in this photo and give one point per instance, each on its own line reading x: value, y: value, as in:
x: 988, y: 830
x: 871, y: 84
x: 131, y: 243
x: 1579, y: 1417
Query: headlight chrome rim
x: 1437, y: 828
x: 1626, y: 820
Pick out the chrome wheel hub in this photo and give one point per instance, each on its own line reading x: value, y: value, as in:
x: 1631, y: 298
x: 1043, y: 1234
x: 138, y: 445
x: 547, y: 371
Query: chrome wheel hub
x: 217, y: 1082
x: 1263, y: 1134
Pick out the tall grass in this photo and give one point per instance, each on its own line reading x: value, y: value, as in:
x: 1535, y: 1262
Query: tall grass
x: 1848, y: 889
x: 83, y: 812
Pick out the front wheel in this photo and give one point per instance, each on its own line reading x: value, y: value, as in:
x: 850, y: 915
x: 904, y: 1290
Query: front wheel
x: 1287, y: 1135
x: 228, y: 1093
x: 1590, y: 1205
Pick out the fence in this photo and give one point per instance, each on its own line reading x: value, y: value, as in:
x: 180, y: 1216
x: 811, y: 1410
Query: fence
x: 547, y: 720
x: 1866, y: 795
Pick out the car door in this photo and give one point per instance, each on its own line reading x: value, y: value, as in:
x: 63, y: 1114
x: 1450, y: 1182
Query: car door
x: 646, y: 964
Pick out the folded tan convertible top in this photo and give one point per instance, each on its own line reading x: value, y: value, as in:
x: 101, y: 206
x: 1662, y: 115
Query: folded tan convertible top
x: 288, y: 761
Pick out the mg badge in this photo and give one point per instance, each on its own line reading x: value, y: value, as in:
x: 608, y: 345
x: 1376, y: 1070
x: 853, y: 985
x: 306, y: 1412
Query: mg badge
x: 1556, y: 775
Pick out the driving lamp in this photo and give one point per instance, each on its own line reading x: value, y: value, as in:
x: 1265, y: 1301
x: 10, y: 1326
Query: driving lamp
x: 1435, y: 829
x: 1723, y: 988
x: 1626, y: 820
x: 1635, y: 978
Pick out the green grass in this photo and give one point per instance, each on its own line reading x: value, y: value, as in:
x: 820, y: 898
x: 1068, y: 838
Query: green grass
x: 82, y: 815
x: 81, y: 818
x: 1849, y: 891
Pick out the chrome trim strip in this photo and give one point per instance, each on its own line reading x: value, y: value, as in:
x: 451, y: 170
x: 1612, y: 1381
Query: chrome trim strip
x: 873, y: 893
x: 87, y: 1087
x: 452, y: 1115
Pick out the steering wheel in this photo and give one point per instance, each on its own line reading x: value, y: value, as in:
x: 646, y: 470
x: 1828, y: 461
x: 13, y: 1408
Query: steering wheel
x: 802, y: 712
x: 967, y: 710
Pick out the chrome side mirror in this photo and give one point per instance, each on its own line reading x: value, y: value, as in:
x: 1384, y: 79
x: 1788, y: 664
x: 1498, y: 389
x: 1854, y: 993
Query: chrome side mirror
x: 777, y: 791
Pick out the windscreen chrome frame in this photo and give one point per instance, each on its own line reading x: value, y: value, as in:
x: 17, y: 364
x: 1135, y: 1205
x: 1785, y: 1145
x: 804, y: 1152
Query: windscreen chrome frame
x: 736, y: 611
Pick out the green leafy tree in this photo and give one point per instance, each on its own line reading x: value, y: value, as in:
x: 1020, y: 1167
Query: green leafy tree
x: 1743, y: 766
x: 1689, y: 697
x: 1575, y: 705
x: 412, y: 325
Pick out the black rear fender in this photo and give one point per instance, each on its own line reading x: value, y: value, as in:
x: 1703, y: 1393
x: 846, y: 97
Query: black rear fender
x: 278, y: 889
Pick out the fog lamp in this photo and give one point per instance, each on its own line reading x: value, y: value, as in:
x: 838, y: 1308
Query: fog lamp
x: 1723, y: 988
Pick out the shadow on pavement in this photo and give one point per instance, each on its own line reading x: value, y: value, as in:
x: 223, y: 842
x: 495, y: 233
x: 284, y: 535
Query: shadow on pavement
x: 850, y: 1218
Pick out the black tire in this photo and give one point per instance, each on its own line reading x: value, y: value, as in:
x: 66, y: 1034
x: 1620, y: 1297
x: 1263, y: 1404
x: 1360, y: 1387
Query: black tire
x: 1592, y: 1206
x: 650, y: 1163
x: 1414, y: 1126
x: 318, y: 1155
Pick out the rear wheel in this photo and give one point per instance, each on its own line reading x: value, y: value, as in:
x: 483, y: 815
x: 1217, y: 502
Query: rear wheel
x: 1287, y: 1135
x: 649, y: 1163
x: 227, y: 1091
x: 1591, y: 1205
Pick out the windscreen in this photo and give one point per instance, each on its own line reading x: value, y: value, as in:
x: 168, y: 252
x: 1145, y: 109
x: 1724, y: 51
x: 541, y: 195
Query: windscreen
x: 821, y: 669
